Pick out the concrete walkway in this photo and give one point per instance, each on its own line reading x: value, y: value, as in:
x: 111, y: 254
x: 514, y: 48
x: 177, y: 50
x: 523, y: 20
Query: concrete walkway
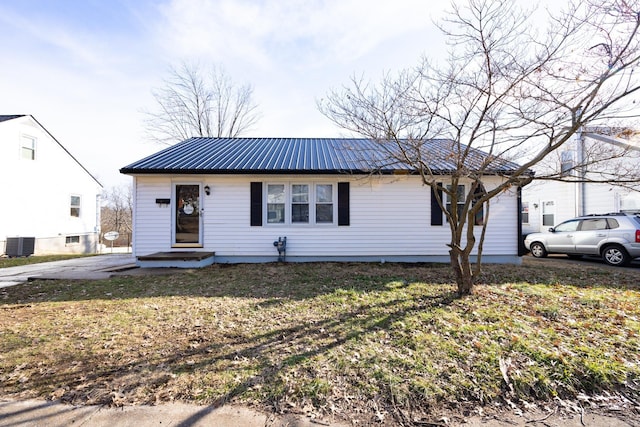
x: 52, y: 414
x: 30, y: 413
x: 93, y: 267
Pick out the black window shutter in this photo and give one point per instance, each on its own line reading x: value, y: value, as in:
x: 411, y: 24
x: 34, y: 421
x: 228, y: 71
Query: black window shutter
x: 343, y: 203
x: 436, y: 211
x: 256, y: 204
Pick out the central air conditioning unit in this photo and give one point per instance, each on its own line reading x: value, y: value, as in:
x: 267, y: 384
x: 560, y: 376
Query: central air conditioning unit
x: 20, y: 246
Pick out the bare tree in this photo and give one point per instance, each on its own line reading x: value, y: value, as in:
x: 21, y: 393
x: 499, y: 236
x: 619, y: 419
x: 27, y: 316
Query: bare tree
x: 504, y: 89
x: 200, y: 102
x: 117, y: 213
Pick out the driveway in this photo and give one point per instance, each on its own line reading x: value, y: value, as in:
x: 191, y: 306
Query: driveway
x: 93, y: 267
x: 560, y: 259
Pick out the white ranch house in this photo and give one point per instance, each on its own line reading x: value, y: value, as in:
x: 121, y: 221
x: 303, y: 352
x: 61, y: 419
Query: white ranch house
x: 237, y: 197
x: 50, y: 201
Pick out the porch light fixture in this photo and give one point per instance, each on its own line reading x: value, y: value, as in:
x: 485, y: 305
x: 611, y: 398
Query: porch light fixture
x: 207, y: 190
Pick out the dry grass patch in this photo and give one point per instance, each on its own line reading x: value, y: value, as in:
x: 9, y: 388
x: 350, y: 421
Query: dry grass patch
x: 366, y: 341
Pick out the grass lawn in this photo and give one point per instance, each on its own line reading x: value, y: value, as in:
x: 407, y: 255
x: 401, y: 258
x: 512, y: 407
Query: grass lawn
x: 35, y: 259
x: 360, y: 341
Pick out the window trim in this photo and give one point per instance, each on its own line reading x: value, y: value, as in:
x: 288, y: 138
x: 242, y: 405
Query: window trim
x: 312, y: 202
x: 266, y: 203
x: 72, y: 240
x: 479, y: 218
x: 566, y: 163
x: 447, y: 199
x: 308, y: 203
x: 33, y: 148
x: 524, y: 210
x: 73, y: 206
x: 551, y: 213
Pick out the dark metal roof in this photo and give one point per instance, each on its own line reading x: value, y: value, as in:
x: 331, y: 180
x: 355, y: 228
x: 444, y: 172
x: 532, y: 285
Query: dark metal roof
x: 302, y: 155
x: 4, y: 118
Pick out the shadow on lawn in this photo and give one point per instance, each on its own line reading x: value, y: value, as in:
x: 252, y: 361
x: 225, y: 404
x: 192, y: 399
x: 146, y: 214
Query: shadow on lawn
x: 295, y: 281
x: 269, y: 363
x: 263, y: 361
x: 271, y: 282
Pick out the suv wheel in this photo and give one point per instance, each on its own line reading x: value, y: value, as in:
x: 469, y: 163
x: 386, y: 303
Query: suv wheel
x: 538, y: 250
x: 615, y: 255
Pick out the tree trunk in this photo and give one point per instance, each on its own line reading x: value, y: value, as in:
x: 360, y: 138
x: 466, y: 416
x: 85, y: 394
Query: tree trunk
x: 464, y: 273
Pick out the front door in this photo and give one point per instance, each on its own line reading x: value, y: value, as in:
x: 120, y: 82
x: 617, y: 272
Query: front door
x: 187, y: 215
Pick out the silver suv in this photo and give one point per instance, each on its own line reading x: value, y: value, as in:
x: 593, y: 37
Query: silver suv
x: 614, y: 237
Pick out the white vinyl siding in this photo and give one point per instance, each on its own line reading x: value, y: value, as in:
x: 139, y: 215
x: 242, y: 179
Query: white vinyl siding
x: 152, y: 222
x: 389, y: 216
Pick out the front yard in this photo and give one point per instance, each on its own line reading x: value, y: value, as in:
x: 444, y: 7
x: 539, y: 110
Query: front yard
x: 355, y: 341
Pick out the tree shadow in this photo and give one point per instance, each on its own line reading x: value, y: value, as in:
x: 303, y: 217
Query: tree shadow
x: 260, y: 359
x: 268, y: 357
x: 270, y: 282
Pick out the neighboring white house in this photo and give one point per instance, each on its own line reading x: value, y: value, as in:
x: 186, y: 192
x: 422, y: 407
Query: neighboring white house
x: 238, y: 197
x: 547, y: 203
x: 47, y: 194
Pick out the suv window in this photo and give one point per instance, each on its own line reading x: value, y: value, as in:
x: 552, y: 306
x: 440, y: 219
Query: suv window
x: 613, y: 223
x: 594, y: 224
x: 568, y: 225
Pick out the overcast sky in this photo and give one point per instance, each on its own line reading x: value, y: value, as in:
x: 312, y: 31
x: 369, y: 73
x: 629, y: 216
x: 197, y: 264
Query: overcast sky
x: 85, y: 69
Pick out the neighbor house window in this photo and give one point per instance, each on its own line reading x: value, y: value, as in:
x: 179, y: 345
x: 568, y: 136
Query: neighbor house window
x: 28, y: 148
x: 72, y: 239
x: 630, y: 203
x: 75, y: 206
x: 566, y: 163
x: 300, y: 203
x: 525, y: 212
x: 548, y: 213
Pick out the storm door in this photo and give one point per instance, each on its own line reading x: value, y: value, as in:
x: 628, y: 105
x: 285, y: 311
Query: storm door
x: 187, y: 215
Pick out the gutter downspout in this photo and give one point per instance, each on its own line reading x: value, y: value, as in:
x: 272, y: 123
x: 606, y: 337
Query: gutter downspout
x: 581, y: 203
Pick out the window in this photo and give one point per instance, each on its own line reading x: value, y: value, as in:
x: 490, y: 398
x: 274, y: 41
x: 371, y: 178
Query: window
x: 525, y: 212
x: 275, y: 203
x: 548, y: 213
x: 28, y: 148
x: 568, y: 226
x: 309, y: 203
x: 594, y: 224
x: 630, y: 202
x: 566, y: 163
x: 75, y: 206
x: 461, y: 196
x: 300, y: 203
x: 324, y: 203
x: 72, y: 239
